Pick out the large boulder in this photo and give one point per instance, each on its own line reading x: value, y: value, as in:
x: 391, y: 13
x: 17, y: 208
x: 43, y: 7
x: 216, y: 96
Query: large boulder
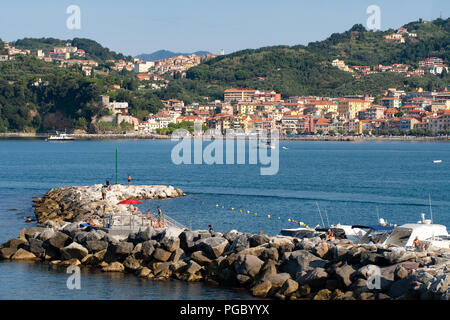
x: 131, y: 263
x: 401, y: 287
x: 187, y: 239
x: 71, y: 229
x: 232, y: 235
x: 248, y: 265
x: 277, y: 280
x: 16, y: 243
x: 269, y: 254
x: 301, y: 260
x: 7, y: 253
x: 345, y: 274
x: 145, y: 235
x: 240, y: 243
x: 36, y: 247
x: 257, y: 240
x: 316, y: 278
x: 123, y: 248
x: 46, y: 234
x: 59, y: 240
x: 212, y: 247
x: 96, y: 245
x: 170, y: 243
x: 148, y: 247
x: 161, y: 255
x: 177, y: 255
x: 23, y: 254
x: 289, y: 287
x: 200, y: 258
x: 74, y: 251
x: 114, y: 267
x: 33, y: 232
x: 261, y: 290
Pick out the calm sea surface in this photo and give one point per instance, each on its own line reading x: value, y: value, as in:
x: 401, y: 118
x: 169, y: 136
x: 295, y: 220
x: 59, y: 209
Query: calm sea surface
x: 352, y: 182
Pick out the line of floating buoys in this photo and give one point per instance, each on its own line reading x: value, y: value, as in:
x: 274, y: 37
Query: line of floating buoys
x: 268, y: 216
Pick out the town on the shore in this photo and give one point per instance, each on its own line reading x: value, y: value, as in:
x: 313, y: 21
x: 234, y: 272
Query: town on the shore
x: 393, y: 112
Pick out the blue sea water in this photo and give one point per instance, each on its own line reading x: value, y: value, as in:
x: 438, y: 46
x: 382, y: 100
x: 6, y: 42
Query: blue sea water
x: 351, y: 182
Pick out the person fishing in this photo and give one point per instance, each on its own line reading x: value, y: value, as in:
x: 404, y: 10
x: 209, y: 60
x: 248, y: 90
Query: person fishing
x: 330, y: 235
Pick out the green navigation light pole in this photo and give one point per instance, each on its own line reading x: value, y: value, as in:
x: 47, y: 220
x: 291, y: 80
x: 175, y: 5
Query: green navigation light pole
x: 116, y: 167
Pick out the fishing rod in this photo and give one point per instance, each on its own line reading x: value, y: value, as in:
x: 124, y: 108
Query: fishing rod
x: 326, y: 214
x: 320, y: 213
x: 431, y: 210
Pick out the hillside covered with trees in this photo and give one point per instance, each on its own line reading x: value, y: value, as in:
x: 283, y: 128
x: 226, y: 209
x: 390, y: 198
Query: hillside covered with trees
x: 307, y: 70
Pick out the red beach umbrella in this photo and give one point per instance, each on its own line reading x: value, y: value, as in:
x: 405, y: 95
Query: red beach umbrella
x: 130, y: 201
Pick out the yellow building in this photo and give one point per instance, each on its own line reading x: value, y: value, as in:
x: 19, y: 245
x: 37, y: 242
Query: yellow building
x: 350, y: 108
x: 245, y: 108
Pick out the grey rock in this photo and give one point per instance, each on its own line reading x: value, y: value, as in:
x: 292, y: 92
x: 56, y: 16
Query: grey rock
x: 315, y: 278
x: 161, y: 255
x: 187, y: 239
x: 269, y: 254
x: 36, y: 247
x: 96, y: 245
x: 344, y: 274
x: 400, y: 273
x: 248, y: 265
x: 232, y: 235
x: 59, y: 240
x: 240, y: 243
x: 289, y: 287
x: 200, y: 258
x: 170, y: 244
x: 177, y: 255
x: 192, y: 267
x: 71, y: 229
x: 400, y: 287
x: 123, y: 248
x: 277, y: 280
x: 46, y: 234
x: 212, y: 247
x: 301, y: 260
x: 148, y: 247
x: 257, y: 240
x: 33, y: 232
x: 132, y: 263
x: 74, y: 251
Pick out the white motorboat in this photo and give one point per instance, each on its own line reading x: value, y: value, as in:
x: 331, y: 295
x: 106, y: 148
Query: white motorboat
x: 425, y: 231
x: 60, y: 137
x: 437, y: 161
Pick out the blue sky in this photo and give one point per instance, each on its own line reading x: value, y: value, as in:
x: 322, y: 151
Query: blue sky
x: 143, y: 26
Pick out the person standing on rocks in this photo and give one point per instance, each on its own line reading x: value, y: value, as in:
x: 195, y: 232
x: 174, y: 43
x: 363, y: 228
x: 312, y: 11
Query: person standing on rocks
x: 104, y: 193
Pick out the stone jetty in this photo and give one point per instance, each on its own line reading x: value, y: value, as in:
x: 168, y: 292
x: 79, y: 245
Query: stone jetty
x: 274, y: 267
x: 269, y: 267
x: 79, y: 203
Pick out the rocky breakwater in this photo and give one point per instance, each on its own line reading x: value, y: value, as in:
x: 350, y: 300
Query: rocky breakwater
x: 269, y: 267
x: 78, y: 203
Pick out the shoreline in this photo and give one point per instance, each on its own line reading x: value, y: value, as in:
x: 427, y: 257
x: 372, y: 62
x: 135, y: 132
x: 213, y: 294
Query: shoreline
x: 275, y: 267
x: 134, y: 136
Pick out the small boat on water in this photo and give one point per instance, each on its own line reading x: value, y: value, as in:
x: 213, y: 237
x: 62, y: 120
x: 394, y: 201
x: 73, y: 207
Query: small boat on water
x: 59, y: 136
x: 284, y: 148
x: 437, y: 161
x: 425, y: 231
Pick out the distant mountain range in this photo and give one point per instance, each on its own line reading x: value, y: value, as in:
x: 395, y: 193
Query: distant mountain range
x: 164, y: 54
